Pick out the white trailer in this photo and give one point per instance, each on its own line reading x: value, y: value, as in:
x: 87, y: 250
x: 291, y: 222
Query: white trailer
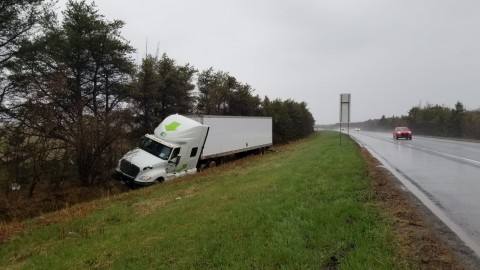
x: 183, y: 145
x: 229, y: 135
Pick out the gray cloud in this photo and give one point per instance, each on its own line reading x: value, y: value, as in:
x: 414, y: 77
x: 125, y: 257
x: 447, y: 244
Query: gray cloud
x: 390, y: 55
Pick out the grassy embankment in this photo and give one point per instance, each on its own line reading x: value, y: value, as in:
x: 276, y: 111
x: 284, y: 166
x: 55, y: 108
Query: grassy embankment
x: 308, y: 206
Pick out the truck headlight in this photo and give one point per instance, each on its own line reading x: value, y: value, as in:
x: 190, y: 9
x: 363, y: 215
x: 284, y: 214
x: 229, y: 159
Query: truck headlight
x: 144, y: 178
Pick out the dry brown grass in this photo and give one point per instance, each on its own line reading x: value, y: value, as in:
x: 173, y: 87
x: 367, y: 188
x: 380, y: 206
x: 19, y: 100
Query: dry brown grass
x: 8, y: 230
x: 146, y: 207
x: 48, y: 207
x: 69, y: 213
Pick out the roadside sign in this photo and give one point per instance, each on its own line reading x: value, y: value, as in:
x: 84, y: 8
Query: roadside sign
x: 344, y: 113
x: 344, y: 108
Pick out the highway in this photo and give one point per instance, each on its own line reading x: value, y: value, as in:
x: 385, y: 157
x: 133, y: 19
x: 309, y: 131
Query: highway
x: 443, y: 174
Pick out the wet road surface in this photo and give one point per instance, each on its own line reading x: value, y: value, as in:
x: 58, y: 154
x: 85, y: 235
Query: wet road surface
x: 443, y: 174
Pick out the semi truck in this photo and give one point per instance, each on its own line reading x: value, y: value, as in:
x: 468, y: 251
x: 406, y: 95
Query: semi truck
x: 183, y: 145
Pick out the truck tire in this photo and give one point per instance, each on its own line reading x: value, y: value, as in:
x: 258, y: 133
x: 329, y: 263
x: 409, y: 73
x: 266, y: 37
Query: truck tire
x: 212, y: 164
x: 160, y: 180
x: 201, y: 167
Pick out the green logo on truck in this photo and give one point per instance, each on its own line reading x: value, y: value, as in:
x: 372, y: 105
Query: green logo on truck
x: 172, y: 126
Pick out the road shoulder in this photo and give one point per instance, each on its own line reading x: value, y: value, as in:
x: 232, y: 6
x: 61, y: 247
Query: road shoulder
x: 424, y: 240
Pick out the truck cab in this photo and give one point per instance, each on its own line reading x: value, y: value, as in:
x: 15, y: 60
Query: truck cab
x: 172, y: 151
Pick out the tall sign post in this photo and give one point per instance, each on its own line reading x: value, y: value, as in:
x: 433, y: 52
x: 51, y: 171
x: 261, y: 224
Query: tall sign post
x: 344, y: 113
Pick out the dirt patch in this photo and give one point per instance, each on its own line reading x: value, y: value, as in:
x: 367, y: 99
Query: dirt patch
x: 423, y: 239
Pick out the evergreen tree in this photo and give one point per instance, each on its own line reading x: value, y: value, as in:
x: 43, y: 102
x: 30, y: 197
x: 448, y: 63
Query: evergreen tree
x: 70, y: 86
x: 162, y: 88
x: 456, y: 122
x: 215, y: 89
x: 18, y: 19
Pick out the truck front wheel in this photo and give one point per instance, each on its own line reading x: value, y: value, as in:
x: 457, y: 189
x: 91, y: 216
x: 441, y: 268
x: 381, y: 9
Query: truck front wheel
x: 201, y: 167
x: 159, y: 180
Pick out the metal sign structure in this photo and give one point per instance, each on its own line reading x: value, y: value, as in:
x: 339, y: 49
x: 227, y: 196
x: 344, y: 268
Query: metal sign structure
x: 344, y: 113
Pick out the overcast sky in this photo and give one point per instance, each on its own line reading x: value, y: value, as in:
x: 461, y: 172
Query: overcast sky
x: 390, y: 55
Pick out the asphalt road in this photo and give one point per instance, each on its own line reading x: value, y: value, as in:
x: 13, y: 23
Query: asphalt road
x: 443, y: 174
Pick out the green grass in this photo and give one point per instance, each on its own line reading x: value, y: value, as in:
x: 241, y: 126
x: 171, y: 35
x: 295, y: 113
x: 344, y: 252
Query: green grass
x: 308, y: 206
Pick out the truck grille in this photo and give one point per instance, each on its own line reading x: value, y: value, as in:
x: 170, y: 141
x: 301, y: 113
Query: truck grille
x: 129, y: 169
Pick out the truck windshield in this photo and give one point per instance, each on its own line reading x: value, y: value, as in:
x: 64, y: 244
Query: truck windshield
x: 155, y: 148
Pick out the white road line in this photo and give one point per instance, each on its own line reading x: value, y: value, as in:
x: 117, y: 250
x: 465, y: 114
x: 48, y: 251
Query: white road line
x: 476, y: 162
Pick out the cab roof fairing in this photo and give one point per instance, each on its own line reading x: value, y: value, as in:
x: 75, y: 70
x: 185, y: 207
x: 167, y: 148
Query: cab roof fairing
x: 177, y: 129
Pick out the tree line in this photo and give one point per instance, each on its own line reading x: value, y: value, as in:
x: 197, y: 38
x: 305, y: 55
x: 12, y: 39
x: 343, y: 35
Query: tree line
x: 72, y: 100
x: 434, y: 120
